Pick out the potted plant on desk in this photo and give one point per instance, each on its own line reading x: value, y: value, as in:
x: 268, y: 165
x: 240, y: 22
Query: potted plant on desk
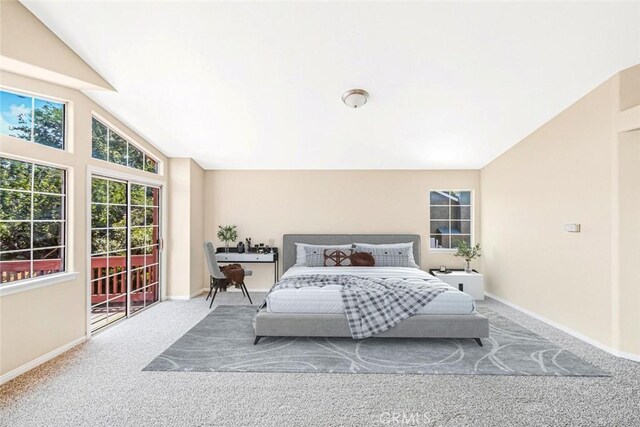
x: 469, y: 253
x: 227, y: 233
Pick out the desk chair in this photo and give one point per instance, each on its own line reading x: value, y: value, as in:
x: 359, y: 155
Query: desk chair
x: 217, y: 277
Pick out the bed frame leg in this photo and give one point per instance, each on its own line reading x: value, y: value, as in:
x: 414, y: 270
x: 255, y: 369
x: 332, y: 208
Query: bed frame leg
x: 256, y: 340
x: 479, y: 341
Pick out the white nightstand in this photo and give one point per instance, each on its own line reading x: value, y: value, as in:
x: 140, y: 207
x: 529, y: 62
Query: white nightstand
x: 469, y: 283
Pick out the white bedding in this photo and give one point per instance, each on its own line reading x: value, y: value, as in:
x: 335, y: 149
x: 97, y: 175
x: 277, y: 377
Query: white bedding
x: 327, y: 300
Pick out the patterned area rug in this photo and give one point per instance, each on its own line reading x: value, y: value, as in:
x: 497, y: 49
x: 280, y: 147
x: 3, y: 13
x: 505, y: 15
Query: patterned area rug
x: 223, y: 341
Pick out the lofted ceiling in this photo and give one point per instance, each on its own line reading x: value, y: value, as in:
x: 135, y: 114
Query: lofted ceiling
x: 257, y: 85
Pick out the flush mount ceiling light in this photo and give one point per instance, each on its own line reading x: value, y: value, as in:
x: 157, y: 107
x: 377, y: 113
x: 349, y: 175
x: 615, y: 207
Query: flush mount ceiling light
x: 355, y: 98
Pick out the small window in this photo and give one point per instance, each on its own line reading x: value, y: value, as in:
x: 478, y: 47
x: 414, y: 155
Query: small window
x: 32, y: 119
x: 450, y: 218
x: 112, y: 147
x: 32, y: 220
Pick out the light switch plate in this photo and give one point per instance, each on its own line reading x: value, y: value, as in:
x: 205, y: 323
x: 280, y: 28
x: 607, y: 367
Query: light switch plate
x: 571, y: 228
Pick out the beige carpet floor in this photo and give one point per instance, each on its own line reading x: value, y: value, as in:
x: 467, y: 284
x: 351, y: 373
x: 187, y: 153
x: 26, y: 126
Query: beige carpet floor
x: 101, y: 383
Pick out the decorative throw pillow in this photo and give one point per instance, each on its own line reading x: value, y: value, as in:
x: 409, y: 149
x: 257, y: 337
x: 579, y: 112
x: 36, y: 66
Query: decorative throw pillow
x: 362, y: 259
x: 387, y: 256
x: 301, y: 252
x: 337, y: 257
x: 408, y: 246
x: 315, y: 254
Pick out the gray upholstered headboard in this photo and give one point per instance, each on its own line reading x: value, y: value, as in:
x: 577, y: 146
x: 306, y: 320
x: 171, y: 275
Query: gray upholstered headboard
x: 289, y: 241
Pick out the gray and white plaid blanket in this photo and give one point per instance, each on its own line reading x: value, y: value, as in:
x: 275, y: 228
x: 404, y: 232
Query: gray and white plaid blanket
x: 373, y: 304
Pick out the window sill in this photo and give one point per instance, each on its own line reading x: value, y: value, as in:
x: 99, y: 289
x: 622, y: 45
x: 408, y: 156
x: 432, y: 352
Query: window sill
x: 38, y: 282
x: 443, y: 250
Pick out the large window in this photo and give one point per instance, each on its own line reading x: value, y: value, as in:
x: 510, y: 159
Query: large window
x: 108, y: 145
x: 450, y: 218
x: 32, y: 119
x: 32, y: 220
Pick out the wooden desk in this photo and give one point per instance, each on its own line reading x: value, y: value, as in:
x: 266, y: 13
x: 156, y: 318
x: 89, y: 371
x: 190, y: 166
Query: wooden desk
x: 250, y: 258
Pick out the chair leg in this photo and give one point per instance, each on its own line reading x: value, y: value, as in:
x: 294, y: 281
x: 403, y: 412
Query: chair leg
x: 256, y: 340
x: 242, y: 289
x: 479, y: 341
x: 210, y: 288
x: 247, y: 291
x: 214, y: 294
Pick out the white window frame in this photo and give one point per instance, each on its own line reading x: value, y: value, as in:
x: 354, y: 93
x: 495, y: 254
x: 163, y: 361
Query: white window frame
x: 471, y: 224
x: 111, y: 128
x: 65, y: 117
x: 54, y: 278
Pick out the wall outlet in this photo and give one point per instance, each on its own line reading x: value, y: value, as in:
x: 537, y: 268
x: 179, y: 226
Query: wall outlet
x: 571, y: 228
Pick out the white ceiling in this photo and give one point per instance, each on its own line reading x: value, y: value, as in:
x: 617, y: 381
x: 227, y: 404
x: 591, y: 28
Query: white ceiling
x: 257, y: 85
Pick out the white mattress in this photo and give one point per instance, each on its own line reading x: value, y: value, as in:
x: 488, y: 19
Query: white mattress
x: 327, y: 299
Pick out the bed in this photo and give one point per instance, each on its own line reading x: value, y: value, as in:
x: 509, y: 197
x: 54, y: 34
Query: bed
x: 320, y: 312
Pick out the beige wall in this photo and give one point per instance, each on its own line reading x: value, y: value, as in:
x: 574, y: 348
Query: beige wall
x: 627, y: 333
x: 185, y: 229
x: 567, y: 172
x: 35, y: 322
x: 267, y: 204
x: 28, y: 47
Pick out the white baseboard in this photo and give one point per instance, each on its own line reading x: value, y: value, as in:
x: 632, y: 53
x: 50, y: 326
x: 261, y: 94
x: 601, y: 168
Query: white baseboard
x: 582, y: 337
x: 40, y: 360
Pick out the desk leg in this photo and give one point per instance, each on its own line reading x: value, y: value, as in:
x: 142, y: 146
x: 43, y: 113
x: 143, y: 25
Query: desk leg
x: 276, y: 266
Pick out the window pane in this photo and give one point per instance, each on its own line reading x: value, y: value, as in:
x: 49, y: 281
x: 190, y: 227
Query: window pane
x: 456, y: 239
x: 465, y: 197
x: 48, y: 128
x: 98, y: 140
x: 98, y: 190
x: 439, y: 227
x: 46, y: 206
x: 98, y: 216
x: 117, y: 240
x: 150, y: 165
x: 137, y: 237
x: 150, y: 235
x: 440, y: 212
x: 15, y: 174
x: 153, y: 196
x: 458, y: 212
x: 464, y: 226
x: 98, y: 316
x: 15, y: 236
x: 151, y: 214
x: 48, y: 261
x: 117, y: 216
x: 16, y: 115
x: 439, y: 198
x: 137, y: 216
x: 46, y: 234
x: 98, y: 266
x: 15, y: 205
x: 99, y: 241
x: 137, y: 195
x: 48, y: 180
x: 136, y: 158
x: 117, y: 149
x: 117, y: 193
x: 117, y: 262
x: 15, y: 266
x: 439, y: 241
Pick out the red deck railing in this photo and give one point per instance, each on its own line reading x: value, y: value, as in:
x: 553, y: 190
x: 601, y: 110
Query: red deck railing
x: 108, y: 275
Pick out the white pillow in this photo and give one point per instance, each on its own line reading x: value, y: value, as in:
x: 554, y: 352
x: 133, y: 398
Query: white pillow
x: 301, y: 252
x: 412, y: 260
